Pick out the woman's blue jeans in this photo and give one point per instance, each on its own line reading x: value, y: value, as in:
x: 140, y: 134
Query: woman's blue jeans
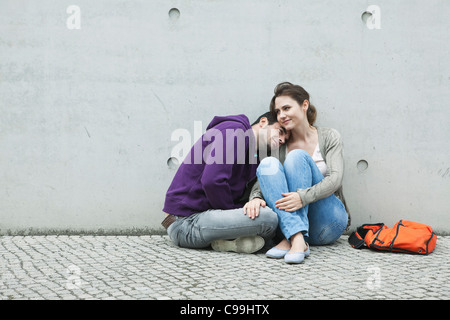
x: 321, y: 222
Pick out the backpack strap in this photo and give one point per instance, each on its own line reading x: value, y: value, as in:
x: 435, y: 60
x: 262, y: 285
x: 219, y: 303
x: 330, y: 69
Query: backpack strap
x: 356, y: 239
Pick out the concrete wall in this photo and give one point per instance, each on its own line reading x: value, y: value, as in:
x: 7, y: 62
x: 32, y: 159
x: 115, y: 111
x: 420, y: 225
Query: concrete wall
x: 88, y: 102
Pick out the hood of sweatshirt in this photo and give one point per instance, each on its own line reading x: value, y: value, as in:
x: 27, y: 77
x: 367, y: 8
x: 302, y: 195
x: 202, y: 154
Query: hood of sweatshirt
x: 241, y: 118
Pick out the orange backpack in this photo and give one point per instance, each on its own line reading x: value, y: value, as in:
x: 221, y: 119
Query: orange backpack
x: 405, y: 236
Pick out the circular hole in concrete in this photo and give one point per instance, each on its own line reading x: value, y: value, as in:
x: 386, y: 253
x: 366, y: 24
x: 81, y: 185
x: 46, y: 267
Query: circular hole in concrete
x: 366, y: 15
x: 174, y: 13
x: 172, y: 163
x: 362, y: 165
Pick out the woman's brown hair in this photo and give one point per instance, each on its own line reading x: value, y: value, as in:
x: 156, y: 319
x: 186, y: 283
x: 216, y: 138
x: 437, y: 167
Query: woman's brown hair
x: 297, y: 93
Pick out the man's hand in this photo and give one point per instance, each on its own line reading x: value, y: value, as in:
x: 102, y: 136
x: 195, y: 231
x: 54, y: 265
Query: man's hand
x: 290, y: 202
x: 251, y: 208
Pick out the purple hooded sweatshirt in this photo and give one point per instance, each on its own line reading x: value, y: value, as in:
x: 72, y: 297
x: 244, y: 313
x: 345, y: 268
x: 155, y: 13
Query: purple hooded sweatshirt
x: 215, y: 172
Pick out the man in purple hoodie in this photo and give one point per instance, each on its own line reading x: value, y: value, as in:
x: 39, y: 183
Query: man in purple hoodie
x: 203, y: 204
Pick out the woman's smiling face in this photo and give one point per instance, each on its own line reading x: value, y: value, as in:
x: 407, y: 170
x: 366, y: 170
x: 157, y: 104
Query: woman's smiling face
x: 289, y: 112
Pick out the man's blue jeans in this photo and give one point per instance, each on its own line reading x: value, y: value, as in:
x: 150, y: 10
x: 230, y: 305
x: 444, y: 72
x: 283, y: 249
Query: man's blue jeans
x: 321, y: 222
x: 200, y: 229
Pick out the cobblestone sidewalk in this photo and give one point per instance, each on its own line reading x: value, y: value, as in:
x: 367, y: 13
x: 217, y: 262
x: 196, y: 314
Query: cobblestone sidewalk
x: 151, y: 267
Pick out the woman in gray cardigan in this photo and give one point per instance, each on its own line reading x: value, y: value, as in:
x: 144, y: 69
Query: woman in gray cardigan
x: 303, y: 185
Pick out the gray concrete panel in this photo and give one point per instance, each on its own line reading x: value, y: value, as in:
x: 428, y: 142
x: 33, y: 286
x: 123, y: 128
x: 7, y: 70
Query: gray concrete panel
x: 90, y: 96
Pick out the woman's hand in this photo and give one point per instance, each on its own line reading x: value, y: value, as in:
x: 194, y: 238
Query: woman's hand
x: 251, y: 208
x: 291, y: 202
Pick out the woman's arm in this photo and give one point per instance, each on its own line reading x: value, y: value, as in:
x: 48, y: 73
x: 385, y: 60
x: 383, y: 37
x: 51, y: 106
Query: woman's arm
x: 334, y: 158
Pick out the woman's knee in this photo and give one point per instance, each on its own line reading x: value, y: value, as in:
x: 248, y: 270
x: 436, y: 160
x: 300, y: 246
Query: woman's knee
x: 295, y: 156
x: 299, y: 161
x: 268, y: 166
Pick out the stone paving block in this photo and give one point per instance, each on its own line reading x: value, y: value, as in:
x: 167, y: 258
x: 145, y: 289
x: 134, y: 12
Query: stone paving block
x: 151, y: 267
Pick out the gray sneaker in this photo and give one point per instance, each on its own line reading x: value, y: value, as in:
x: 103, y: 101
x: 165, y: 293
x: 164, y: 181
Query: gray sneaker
x: 242, y: 245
